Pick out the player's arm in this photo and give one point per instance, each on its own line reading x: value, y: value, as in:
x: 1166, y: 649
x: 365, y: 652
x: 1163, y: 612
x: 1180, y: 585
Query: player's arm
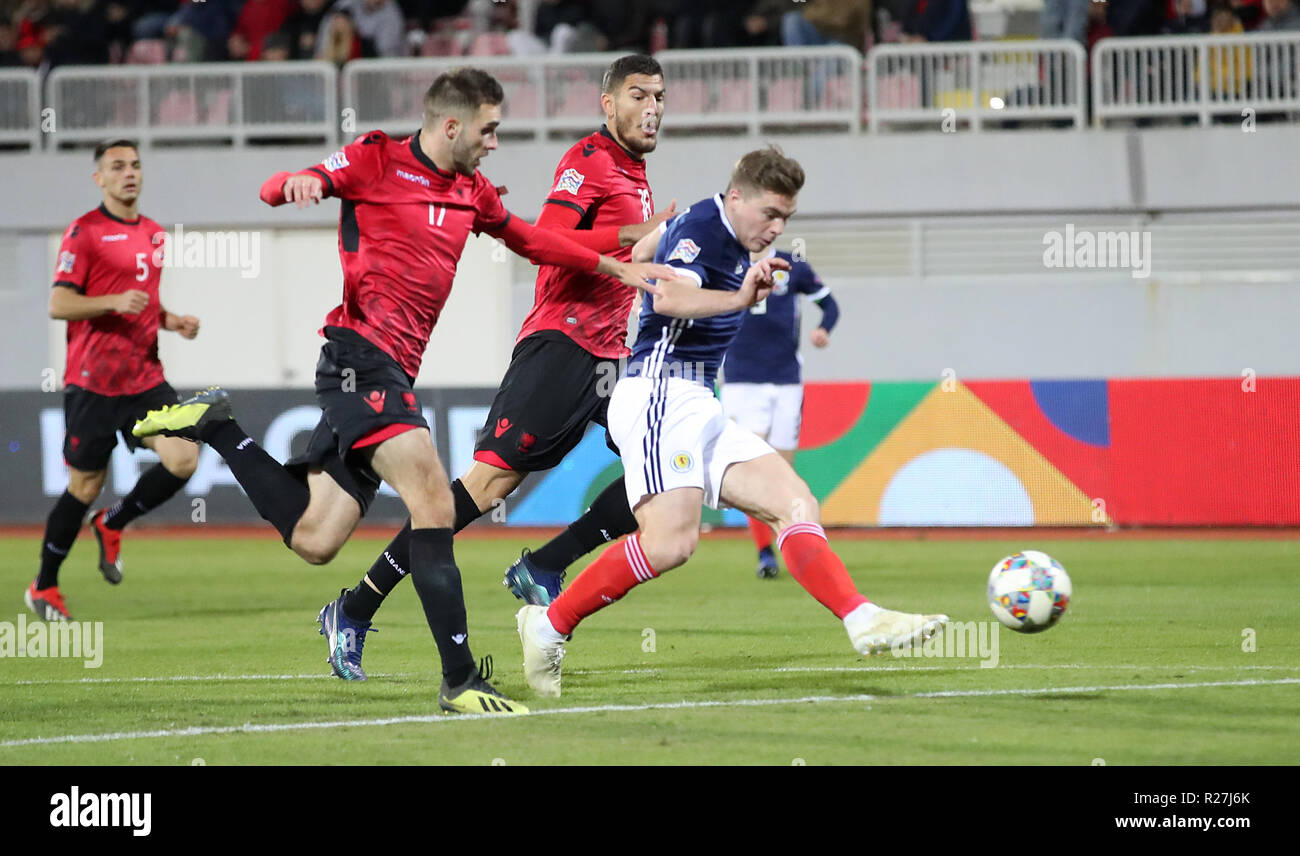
x: 645, y: 248
x: 821, y: 295
x: 341, y: 174
x: 547, y: 247
x: 685, y: 297
x: 606, y: 239
x: 66, y: 304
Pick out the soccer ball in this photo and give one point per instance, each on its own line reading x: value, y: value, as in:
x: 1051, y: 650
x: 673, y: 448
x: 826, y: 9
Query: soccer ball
x: 1029, y: 591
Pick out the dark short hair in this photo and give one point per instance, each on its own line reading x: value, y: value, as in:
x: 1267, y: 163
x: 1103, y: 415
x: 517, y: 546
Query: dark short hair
x: 767, y: 169
x: 114, y: 144
x: 623, y: 67
x: 461, y: 90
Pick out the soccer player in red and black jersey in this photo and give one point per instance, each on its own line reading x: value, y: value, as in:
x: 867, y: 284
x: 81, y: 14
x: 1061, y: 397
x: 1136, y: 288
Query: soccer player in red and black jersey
x: 106, y: 288
x: 566, y: 356
x: 408, y: 208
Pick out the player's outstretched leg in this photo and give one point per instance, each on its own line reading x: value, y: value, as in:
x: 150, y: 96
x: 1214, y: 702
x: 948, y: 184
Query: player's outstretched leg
x: 536, y: 577
x: 409, y: 463
x: 670, y: 530
x: 158, y: 484
x: 768, y: 488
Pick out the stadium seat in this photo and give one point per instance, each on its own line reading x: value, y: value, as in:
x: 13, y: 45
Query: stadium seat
x: 218, y: 112
x: 688, y: 97
x: 440, y: 44
x: 147, y: 52
x: 785, y: 94
x: 734, y: 97
x: 489, y: 44
x: 178, y: 108
x: 577, y: 99
x: 522, y: 101
x: 898, y: 92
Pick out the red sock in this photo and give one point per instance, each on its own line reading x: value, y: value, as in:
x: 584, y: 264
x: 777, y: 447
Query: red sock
x: 814, y: 565
x: 762, y: 533
x: 615, y: 572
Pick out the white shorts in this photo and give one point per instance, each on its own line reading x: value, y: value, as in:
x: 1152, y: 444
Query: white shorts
x: 771, y: 410
x: 673, y: 433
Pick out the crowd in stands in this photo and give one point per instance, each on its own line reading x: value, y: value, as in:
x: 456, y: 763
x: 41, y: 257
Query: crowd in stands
x: 47, y: 33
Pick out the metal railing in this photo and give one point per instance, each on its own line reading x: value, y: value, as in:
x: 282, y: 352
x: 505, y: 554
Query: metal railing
x: 194, y: 102
x: 1195, y: 76
x: 20, y: 108
x: 941, y: 85
x: 707, y: 90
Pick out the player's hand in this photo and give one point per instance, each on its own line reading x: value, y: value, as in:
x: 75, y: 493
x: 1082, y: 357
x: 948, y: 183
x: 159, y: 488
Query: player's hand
x: 186, y: 325
x: 131, y: 302
x: 667, y: 214
x: 303, y: 190
x: 757, y: 284
x: 820, y: 337
x: 641, y: 275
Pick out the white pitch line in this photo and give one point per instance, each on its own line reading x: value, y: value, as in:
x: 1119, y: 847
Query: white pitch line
x: 250, y: 728
x: 972, y: 666
x: 178, y: 678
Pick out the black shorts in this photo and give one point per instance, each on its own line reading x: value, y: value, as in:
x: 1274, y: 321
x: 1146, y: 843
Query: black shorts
x: 551, y: 390
x: 93, y: 422
x: 360, y: 389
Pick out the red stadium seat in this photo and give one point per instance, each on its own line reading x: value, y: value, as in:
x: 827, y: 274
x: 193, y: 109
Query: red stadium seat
x: 489, y: 44
x: 522, y: 101
x: 578, y: 99
x: 785, y: 94
x: 147, y: 52
x: 688, y: 97
x: 734, y: 97
x: 218, y: 112
x: 440, y: 44
x: 178, y: 108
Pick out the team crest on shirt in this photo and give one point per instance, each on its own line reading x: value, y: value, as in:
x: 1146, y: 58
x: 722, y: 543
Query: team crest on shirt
x: 686, y: 251
x: 780, y: 282
x: 67, y: 261
x: 336, y: 161
x: 570, y: 181
x: 682, y: 462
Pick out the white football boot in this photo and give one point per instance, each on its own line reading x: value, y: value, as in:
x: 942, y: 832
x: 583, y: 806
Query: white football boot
x: 543, y: 650
x: 874, y: 630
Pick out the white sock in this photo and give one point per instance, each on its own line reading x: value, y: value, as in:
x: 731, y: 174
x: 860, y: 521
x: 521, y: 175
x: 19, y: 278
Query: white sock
x: 864, y: 614
x: 547, y: 633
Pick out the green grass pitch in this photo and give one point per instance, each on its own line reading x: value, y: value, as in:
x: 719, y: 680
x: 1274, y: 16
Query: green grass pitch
x: 1172, y: 652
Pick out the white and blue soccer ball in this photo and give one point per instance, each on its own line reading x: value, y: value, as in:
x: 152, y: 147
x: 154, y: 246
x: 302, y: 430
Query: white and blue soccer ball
x: 1029, y: 591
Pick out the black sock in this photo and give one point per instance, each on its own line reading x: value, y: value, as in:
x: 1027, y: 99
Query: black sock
x: 467, y: 510
x: 279, y: 497
x: 437, y: 581
x: 608, y: 519
x: 152, y: 489
x: 61, y: 529
x: 362, y: 602
x: 389, y: 569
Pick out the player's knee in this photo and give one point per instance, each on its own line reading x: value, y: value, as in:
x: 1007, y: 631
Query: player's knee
x: 669, y: 550
x: 314, y: 547
x: 86, y: 488
x: 802, y: 507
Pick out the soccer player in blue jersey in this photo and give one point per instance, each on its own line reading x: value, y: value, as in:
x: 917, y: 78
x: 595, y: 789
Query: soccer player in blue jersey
x: 679, y: 449
x: 763, y: 371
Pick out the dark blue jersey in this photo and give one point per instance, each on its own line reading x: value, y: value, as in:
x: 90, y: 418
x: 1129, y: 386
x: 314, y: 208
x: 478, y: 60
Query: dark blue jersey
x: 767, y: 348
x: 702, y: 246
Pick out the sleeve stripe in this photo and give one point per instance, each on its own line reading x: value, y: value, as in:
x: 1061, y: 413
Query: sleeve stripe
x: 498, y: 226
x: 699, y: 280
x: 821, y: 294
x: 63, y: 283
x: 567, y: 204
x: 325, y: 176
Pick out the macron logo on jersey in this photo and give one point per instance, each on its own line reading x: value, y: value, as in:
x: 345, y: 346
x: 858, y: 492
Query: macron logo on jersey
x: 67, y: 261
x: 121, y: 236
x: 336, y: 161
x: 686, y: 251
x: 570, y: 181
x: 410, y: 176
